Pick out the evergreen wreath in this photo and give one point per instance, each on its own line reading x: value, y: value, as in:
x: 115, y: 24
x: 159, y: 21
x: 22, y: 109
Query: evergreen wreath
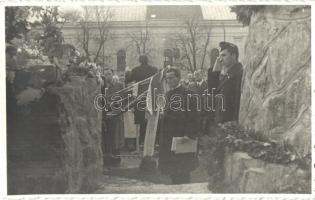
x: 231, y: 137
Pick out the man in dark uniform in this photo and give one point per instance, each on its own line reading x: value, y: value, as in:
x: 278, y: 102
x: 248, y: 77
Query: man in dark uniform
x: 138, y: 74
x: 225, y: 80
x: 179, y: 119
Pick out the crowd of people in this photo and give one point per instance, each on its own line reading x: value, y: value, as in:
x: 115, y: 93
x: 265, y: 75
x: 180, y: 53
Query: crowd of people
x: 181, y: 117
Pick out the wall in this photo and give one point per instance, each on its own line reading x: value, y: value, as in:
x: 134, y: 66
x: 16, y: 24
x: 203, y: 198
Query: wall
x: 160, y: 32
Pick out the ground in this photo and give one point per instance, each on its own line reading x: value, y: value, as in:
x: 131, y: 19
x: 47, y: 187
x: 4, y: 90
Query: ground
x: 127, y: 178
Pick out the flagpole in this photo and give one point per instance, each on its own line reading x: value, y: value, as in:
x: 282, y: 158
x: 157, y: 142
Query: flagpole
x: 137, y: 138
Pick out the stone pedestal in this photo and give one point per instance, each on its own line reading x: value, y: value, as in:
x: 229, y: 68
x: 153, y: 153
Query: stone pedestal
x: 244, y: 174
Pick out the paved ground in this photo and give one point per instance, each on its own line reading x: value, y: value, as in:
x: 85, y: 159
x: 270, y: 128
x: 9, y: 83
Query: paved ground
x: 127, y: 178
x: 118, y: 185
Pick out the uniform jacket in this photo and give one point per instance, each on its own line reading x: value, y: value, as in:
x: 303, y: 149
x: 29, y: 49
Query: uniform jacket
x: 228, y: 86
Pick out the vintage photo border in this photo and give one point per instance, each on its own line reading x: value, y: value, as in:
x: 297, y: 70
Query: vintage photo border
x: 3, y: 155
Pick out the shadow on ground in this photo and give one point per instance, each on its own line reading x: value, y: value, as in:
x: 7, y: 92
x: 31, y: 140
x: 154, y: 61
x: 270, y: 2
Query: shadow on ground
x: 197, y: 176
x: 134, y: 173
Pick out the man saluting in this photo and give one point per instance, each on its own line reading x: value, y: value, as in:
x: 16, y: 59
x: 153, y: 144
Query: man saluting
x: 225, y: 81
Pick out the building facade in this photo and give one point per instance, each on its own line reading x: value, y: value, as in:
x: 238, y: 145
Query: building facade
x: 160, y: 30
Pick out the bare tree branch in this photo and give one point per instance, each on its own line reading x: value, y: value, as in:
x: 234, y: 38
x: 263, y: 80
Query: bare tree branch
x: 103, y: 25
x: 136, y: 41
x: 141, y: 40
x: 102, y: 17
x: 84, y: 38
x: 193, y: 44
x: 183, y: 44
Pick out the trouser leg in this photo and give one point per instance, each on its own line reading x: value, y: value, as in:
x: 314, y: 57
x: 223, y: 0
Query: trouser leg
x: 143, y: 127
x: 116, y: 156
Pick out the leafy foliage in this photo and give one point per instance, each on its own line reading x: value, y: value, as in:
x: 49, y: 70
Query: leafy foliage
x: 258, y: 146
x: 244, y: 13
x: 232, y: 137
x: 16, y: 24
x: 19, y: 21
x: 52, y: 38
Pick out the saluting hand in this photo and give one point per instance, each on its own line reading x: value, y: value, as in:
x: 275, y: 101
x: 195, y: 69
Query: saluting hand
x: 217, y: 65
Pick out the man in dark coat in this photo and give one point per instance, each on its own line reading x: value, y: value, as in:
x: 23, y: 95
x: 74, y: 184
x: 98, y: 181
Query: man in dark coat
x: 180, y: 119
x: 138, y: 74
x: 225, y: 80
x: 224, y: 83
x: 201, y: 84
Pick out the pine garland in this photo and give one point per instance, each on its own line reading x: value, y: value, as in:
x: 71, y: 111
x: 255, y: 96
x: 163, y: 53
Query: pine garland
x: 232, y: 137
x: 258, y: 146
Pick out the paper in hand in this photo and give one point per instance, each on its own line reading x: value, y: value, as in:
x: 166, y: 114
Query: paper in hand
x: 178, y: 146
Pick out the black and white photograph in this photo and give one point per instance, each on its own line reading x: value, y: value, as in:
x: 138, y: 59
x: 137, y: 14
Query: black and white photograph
x: 157, y: 99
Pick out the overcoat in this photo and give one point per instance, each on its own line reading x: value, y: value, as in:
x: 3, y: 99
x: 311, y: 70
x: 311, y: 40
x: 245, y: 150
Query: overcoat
x: 177, y: 123
x: 137, y: 74
x: 201, y: 87
x: 228, y: 88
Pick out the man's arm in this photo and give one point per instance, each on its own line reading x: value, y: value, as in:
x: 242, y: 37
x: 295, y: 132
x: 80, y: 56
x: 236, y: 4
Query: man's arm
x: 213, y: 75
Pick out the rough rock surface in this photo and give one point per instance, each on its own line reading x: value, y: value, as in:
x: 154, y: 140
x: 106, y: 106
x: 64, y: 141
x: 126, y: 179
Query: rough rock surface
x: 54, y: 141
x: 276, y: 94
x: 276, y: 99
x: 247, y: 175
x: 81, y: 132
